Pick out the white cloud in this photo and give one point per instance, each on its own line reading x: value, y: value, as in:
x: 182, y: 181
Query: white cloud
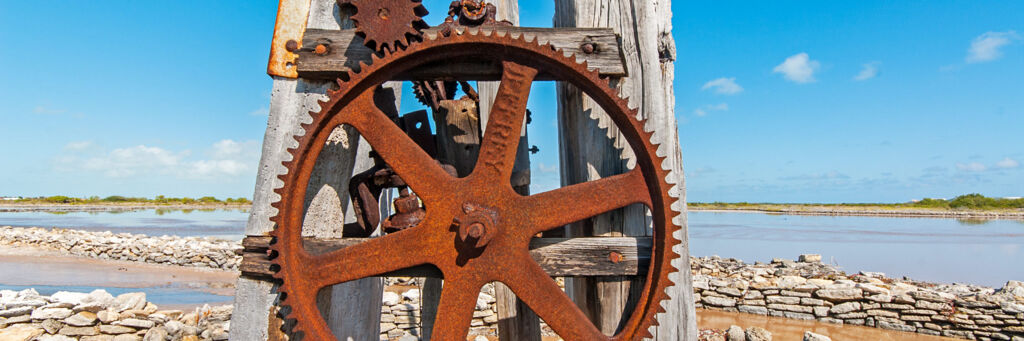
x: 1008, y: 163
x: 703, y: 111
x: 986, y: 47
x: 226, y: 158
x: 131, y: 161
x: 867, y: 71
x: 798, y: 68
x: 971, y: 167
x: 723, y: 86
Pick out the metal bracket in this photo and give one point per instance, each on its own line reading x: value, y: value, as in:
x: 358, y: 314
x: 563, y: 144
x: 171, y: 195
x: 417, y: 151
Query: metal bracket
x: 288, y: 31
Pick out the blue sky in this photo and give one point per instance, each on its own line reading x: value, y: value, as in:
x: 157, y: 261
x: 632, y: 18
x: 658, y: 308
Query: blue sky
x: 785, y: 101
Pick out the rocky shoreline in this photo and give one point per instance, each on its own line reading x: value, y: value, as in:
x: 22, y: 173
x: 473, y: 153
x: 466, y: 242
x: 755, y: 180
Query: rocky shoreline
x: 170, y: 250
x: 808, y: 289
x: 805, y: 289
x: 99, y: 316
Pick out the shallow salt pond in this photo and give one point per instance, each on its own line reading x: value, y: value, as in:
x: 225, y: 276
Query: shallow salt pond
x: 932, y: 249
x: 222, y: 223
x: 169, y: 287
x: 939, y: 250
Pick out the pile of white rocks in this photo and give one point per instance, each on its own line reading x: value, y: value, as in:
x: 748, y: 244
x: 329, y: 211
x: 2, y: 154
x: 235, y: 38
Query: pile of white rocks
x: 400, y: 313
x: 183, y: 251
x: 98, y: 316
x: 808, y: 289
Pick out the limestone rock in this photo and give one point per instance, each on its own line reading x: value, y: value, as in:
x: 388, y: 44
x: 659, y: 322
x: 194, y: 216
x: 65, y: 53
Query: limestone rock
x: 108, y: 316
x: 718, y: 301
x: 412, y: 295
x: 758, y: 334
x: 20, y: 333
x: 135, y: 323
x: 82, y: 319
x: 810, y: 258
x: 72, y: 298
x: 16, y: 311
x: 133, y: 337
x: 809, y: 336
x: 130, y: 301
x: 51, y: 326
x: 155, y: 334
x: 840, y: 295
x: 114, y: 330
x: 390, y: 298
x: 57, y: 337
x: 735, y: 333
x: 78, y: 331
x: 51, y: 313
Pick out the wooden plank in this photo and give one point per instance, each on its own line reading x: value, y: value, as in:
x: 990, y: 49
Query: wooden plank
x: 557, y: 256
x: 592, y: 148
x: 346, y: 50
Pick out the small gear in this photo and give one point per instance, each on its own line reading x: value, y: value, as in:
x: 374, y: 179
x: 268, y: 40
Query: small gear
x: 387, y: 25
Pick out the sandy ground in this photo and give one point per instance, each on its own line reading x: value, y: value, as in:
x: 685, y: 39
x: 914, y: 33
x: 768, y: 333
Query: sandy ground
x: 37, y: 267
x: 788, y: 329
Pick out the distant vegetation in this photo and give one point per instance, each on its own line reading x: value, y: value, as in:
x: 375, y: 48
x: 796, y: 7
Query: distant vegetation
x: 113, y: 199
x: 971, y: 201
x: 964, y: 202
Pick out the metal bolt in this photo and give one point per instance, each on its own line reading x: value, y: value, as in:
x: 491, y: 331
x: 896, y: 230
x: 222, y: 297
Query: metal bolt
x: 615, y: 257
x: 588, y: 48
x: 321, y: 49
x: 291, y: 46
x: 476, y: 230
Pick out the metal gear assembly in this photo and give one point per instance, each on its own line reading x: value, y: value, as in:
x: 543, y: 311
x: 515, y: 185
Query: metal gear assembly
x: 476, y: 229
x: 387, y: 24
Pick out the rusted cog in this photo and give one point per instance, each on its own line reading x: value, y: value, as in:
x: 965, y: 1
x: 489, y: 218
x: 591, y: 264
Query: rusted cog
x: 388, y: 24
x: 476, y: 229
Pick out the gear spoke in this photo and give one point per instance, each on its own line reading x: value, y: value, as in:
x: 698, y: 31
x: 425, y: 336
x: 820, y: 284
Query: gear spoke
x: 501, y: 138
x: 532, y: 285
x: 570, y: 204
x: 370, y: 258
x: 410, y: 162
x: 458, y: 300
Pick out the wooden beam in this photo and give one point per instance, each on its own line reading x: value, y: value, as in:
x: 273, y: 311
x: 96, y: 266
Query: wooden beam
x: 557, y: 256
x: 591, y: 149
x: 345, y: 50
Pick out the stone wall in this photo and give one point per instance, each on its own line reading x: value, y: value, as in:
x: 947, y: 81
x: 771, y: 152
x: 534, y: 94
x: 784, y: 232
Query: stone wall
x: 810, y: 290
x: 400, y: 313
x: 184, y: 251
x: 98, y: 316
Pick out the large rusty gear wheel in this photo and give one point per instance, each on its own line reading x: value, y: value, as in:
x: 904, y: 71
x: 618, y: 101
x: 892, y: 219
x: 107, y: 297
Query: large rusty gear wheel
x: 482, y: 205
x: 388, y: 24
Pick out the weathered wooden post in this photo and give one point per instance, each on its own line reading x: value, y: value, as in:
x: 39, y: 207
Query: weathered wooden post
x: 592, y: 149
x: 352, y: 309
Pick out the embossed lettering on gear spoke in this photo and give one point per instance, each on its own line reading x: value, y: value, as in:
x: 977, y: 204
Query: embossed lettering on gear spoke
x: 501, y: 138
